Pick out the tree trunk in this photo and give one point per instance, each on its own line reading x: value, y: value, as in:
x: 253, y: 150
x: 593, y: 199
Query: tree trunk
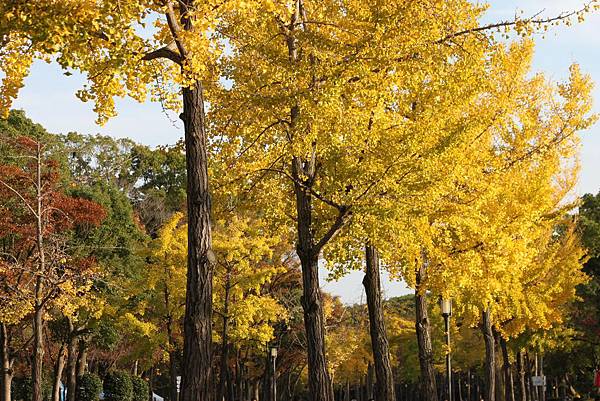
x: 173, y: 393
x: 81, y: 358
x: 224, y: 371
x: 541, y: 389
x: 151, y: 385
x: 308, y: 249
x: 490, y: 359
x: 7, y: 373
x: 522, y: 381
x: 58, y: 371
x: 71, y: 364
x: 239, y: 376
x: 197, y: 371
x: 38, y: 354
x: 498, y: 368
x: 319, y: 383
x: 369, y: 386
x: 470, y: 384
x: 509, y: 387
x: 38, y: 316
x: 423, y: 330
x: 172, y: 376
x: 385, y: 390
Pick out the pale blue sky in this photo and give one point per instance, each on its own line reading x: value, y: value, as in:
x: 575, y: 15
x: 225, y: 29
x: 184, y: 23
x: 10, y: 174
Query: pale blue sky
x: 48, y: 98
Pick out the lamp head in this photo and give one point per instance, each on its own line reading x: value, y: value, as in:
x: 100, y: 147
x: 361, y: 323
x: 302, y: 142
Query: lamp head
x: 446, y: 306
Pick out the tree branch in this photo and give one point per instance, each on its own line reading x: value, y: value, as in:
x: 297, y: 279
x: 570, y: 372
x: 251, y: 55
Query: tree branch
x: 20, y: 196
x: 308, y: 188
x: 169, y: 51
x: 505, y: 24
x: 175, y: 28
x: 338, y: 224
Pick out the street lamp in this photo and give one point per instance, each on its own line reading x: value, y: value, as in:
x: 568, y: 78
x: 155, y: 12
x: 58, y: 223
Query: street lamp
x: 273, y: 354
x: 446, y: 307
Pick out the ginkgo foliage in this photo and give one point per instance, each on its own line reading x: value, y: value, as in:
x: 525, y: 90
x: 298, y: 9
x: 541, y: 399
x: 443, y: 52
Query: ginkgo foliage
x: 246, y: 261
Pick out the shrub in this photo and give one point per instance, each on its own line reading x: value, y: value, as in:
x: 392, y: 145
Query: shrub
x: 141, y: 391
x: 22, y: 389
x: 89, y: 387
x: 118, y: 386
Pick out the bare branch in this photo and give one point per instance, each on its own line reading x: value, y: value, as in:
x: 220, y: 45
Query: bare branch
x: 169, y: 51
x: 20, y: 196
x: 505, y: 24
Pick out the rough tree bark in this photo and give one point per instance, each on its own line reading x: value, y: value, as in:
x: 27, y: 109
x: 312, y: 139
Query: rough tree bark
x: 318, y: 377
x: 7, y: 362
x: 197, y: 371
x: 490, y: 358
x: 422, y: 325
x: 384, y: 389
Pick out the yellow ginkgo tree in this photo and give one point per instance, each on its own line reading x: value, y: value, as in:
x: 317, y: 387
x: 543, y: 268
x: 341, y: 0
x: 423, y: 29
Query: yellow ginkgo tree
x: 248, y: 258
x: 497, y: 246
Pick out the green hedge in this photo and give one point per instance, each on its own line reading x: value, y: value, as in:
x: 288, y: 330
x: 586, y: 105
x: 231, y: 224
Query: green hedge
x: 141, y: 391
x: 118, y: 386
x: 89, y: 387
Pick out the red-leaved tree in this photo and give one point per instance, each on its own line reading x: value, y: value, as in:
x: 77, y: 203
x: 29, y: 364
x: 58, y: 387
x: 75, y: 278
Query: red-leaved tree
x: 37, y: 219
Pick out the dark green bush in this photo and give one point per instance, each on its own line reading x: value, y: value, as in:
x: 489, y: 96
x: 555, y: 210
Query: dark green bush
x: 118, y: 386
x: 21, y: 389
x: 89, y: 387
x: 141, y: 391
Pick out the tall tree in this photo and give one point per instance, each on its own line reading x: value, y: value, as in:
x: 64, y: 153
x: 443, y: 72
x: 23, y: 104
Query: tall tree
x: 102, y: 41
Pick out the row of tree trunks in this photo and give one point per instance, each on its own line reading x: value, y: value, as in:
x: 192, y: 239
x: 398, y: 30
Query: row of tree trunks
x: 466, y: 387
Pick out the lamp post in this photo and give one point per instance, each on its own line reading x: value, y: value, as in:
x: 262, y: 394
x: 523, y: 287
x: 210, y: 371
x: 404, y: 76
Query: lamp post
x: 446, y: 307
x: 273, y: 354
